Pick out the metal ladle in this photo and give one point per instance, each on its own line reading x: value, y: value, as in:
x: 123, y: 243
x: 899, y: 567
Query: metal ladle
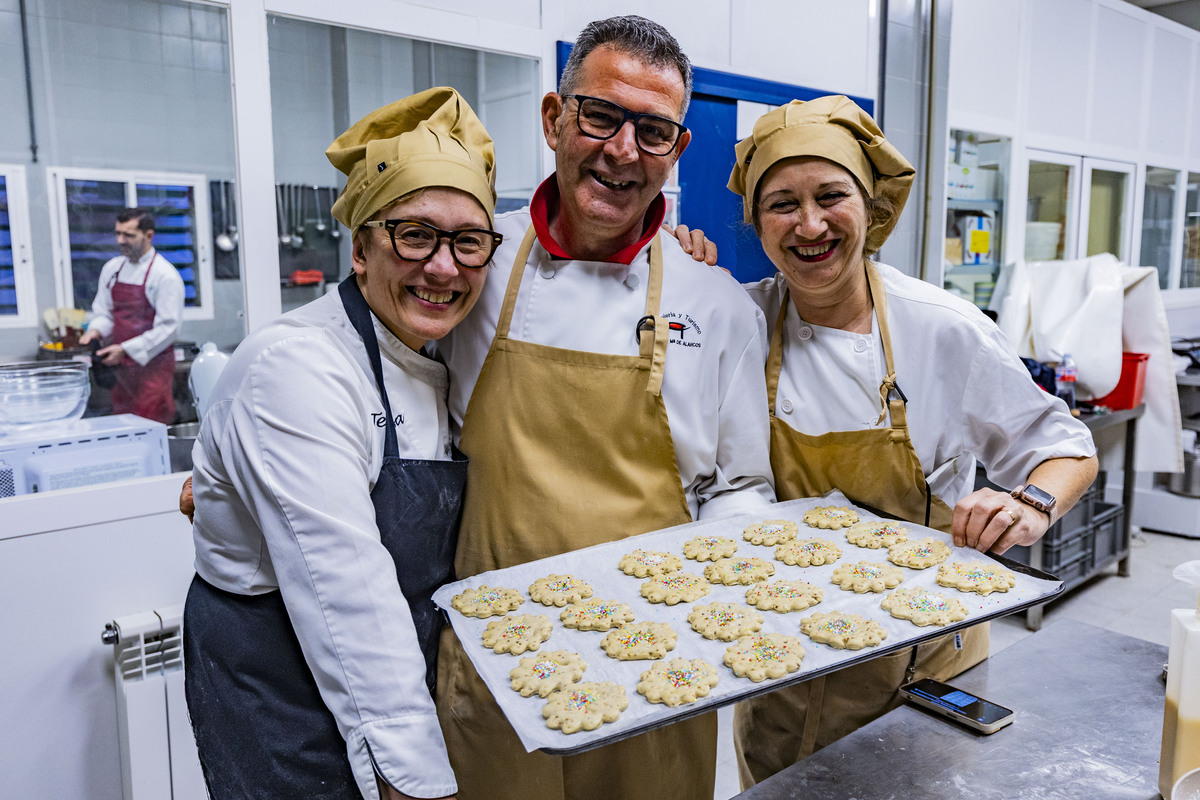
x: 224, y: 243
x: 285, y: 238
x: 297, y: 228
x: 231, y: 220
x: 317, y: 206
x: 335, y: 230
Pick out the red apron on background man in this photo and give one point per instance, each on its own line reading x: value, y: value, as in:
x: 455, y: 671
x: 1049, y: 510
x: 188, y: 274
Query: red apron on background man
x: 142, y: 390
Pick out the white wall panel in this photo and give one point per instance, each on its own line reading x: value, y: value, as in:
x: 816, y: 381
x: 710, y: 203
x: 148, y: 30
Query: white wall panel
x: 813, y: 43
x: 985, y: 50
x: 1117, y: 79
x: 513, y: 12
x: 1170, y: 88
x: 701, y: 26
x: 1059, y: 55
x: 1194, y: 127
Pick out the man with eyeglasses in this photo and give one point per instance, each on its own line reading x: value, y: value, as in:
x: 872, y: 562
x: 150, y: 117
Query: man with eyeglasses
x: 604, y: 386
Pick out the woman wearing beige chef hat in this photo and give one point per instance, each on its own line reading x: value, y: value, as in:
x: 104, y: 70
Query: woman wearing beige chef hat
x: 327, y: 489
x: 887, y: 389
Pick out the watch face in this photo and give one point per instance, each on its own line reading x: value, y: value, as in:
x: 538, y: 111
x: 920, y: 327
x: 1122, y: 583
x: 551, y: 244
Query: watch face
x: 1041, y: 496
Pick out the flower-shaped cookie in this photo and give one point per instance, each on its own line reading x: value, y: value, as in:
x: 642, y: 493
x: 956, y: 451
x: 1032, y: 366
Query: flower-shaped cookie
x: 764, y: 655
x: 744, y: 571
x: 808, y: 552
x: 920, y: 553
x: 771, y: 532
x: 923, y: 607
x: 638, y: 641
x: 976, y: 576
x: 677, y: 587
x: 867, y: 576
x: 784, y: 596
x: 547, y: 673
x: 517, y: 633
x: 596, y: 615
x: 486, y: 601
x: 831, y: 517
x: 678, y: 681
x: 843, y: 631
x: 558, y: 590
x: 643, y: 563
x: 584, y: 706
x: 709, y: 548
x: 724, y: 621
x: 876, y: 533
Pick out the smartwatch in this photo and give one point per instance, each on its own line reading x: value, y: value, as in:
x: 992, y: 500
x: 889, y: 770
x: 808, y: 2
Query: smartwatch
x: 1037, y: 497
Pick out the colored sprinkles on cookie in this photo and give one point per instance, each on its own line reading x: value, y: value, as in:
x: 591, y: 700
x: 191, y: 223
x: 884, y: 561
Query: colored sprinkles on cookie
x: 579, y: 700
x: 677, y: 582
x: 725, y: 616
x: 682, y: 677
x: 603, y: 610
x: 515, y: 629
x: 768, y: 651
x: 925, y: 602
x: 864, y: 571
x: 563, y: 585
x: 839, y: 627
x: 544, y: 669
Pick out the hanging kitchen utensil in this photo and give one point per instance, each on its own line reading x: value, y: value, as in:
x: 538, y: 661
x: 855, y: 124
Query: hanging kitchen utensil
x: 285, y: 237
x: 317, y: 206
x: 223, y: 242
x: 297, y: 228
x: 299, y: 190
x: 231, y: 221
x: 335, y: 228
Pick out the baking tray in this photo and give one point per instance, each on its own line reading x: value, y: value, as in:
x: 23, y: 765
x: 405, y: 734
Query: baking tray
x: 598, y: 566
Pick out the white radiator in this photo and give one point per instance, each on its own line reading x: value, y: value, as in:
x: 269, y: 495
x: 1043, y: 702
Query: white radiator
x: 158, y: 750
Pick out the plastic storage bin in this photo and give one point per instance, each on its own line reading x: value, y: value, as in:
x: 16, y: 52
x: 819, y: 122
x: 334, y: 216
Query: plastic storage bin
x: 1132, y: 382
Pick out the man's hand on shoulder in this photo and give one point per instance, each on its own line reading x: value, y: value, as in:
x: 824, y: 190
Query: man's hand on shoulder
x: 187, y: 503
x: 695, y: 244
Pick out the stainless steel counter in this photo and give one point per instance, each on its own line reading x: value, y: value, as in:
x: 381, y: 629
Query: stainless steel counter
x: 1088, y: 705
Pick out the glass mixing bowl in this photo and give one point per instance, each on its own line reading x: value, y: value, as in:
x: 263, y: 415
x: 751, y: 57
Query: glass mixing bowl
x: 40, y: 392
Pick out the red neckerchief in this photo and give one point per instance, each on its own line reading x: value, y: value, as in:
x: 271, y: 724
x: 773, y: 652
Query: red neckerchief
x: 546, y: 201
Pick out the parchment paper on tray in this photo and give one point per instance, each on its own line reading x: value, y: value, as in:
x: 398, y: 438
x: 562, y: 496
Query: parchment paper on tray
x: 598, y: 566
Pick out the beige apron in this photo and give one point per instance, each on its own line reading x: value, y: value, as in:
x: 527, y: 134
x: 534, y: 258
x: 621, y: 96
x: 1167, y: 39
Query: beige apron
x: 876, y: 468
x: 567, y: 449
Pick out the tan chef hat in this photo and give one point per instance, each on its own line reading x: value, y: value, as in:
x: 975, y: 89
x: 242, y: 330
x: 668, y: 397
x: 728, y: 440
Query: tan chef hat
x: 833, y: 128
x: 432, y: 138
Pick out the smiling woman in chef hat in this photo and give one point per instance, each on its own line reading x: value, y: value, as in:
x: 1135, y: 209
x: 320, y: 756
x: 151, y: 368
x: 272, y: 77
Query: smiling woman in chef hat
x: 887, y: 389
x: 327, y: 489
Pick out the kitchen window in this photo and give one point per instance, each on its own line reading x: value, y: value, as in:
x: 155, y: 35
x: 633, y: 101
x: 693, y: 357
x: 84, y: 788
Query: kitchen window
x: 18, y: 307
x: 85, y: 206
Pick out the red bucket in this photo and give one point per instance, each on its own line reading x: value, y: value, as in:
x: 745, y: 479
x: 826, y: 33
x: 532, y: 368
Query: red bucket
x: 1128, y: 393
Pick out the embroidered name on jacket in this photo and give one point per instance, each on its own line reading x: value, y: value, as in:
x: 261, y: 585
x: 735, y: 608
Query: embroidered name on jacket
x: 380, y: 419
x: 682, y: 329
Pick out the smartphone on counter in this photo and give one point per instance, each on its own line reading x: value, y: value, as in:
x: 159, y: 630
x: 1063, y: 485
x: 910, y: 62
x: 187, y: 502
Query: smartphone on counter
x: 962, y: 707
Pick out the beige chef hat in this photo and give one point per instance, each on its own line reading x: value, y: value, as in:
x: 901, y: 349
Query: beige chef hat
x: 432, y: 138
x: 833, y: 128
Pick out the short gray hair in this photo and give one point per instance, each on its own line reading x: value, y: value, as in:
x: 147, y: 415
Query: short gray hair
x: 644, y: 39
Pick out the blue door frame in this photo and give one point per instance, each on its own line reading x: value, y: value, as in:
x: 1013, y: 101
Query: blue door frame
x: 704, y: 202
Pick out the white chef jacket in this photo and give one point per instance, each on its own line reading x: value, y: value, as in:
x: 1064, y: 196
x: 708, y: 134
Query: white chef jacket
x: 969, y: 397
x: 288, y: 453
x: 164, y: 290
x: 713, y: 385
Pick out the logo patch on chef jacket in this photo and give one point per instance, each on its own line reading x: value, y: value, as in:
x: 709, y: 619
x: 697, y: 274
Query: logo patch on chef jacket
x: 682, y: 329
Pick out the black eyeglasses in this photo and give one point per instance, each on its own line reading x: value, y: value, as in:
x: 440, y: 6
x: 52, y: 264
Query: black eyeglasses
x: 600, y: 119
x: 415, y: 241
